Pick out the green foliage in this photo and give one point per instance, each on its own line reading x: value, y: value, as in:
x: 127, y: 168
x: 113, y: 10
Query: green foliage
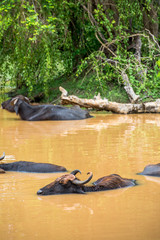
x: 43, y: 40
x: 38, y: 42
x: 117, y: 30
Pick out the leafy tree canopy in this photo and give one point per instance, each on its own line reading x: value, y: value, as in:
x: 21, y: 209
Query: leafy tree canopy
x: 96, y: 40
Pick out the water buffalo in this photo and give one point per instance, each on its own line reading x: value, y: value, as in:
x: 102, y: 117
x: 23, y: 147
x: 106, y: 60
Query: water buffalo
x: 68, y: 183
x: 47, y: 112
x: 25, y: 166
x: 10, y: 107
x: 151, y: 170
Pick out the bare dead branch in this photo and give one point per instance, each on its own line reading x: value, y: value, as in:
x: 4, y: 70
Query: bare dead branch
x: 103, y: 104
x: 153, y: 38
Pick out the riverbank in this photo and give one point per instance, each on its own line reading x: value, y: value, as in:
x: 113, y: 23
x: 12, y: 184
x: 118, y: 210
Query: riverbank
x: 82, y: 87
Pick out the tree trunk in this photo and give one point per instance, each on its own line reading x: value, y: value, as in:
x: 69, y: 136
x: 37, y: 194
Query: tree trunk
x: 103, y: 104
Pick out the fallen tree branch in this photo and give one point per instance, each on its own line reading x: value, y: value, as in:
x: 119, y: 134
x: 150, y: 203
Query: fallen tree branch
x: 128, y: 88
x: 103, y: 104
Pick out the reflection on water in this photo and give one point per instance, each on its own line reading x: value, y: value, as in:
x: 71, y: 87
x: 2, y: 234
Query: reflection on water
x: 106, y: 144
x: 153, y: 179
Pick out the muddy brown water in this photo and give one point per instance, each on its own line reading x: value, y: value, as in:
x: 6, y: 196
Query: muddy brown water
x: 105, y: 144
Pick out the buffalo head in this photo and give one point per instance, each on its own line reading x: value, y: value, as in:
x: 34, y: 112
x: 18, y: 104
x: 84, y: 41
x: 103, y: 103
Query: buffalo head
x: 67, y: 183
x: 17, y: 101
x: 9, y: 104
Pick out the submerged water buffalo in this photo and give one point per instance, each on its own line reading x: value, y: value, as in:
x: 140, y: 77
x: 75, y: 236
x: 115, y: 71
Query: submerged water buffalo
x: 47, y: 112
x: 68, y: 183
x: 151, y: 170
x: 25, y: 166
x: 8, y: 103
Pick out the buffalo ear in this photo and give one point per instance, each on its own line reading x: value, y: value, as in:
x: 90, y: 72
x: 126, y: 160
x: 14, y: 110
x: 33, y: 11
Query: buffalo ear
x: 16, y: 109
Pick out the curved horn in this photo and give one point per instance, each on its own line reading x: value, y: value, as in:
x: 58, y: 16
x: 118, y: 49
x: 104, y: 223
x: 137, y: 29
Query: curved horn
x: 74, y: 172
x: 1, y: 158
x: 78, y: 182
x: 13, y: 101
x: 26, y: 99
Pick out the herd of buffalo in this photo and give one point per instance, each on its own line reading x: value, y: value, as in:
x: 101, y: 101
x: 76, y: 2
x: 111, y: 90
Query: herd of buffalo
x: 67, y: 183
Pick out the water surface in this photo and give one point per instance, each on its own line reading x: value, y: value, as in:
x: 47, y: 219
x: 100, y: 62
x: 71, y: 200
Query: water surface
x: 105, y: 144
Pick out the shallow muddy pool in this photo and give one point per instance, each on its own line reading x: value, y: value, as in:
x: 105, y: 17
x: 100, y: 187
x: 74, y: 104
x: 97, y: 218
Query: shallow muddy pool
x: 105, y: 144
